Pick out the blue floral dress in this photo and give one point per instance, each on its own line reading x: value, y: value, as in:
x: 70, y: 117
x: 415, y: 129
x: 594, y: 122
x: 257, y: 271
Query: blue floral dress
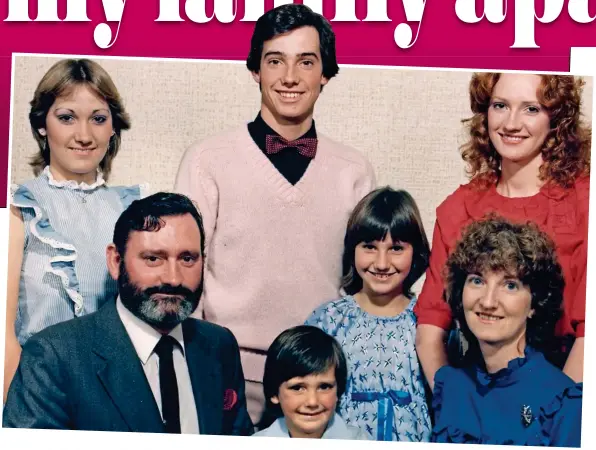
x: 385, y: 393
x: 530, y: 402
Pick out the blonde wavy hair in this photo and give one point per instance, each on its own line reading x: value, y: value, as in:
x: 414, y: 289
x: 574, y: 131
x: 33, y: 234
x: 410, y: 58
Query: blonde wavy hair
x: 59, y: 80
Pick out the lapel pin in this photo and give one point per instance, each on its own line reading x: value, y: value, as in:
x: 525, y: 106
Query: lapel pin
x: 526, y: 416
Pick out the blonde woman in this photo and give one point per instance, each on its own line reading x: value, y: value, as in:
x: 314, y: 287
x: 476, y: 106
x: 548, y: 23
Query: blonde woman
x: 62, y: 220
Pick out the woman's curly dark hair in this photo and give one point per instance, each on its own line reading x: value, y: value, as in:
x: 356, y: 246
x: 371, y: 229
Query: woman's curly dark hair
x: 566, y: 149
x: 494, y: 244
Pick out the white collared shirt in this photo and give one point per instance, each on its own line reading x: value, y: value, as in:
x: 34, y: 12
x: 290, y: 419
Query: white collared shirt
x: 145, y: 338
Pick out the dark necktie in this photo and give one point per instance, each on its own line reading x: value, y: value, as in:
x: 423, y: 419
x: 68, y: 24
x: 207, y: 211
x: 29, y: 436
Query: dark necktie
x: 306, y: 146
x: 168, y: 386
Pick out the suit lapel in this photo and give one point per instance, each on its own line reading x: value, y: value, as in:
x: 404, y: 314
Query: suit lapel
x: 122, y: 375
x: 205, y: 375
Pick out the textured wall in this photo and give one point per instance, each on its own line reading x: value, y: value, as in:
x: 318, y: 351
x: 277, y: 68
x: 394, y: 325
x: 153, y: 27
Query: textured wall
x: 406, y: 121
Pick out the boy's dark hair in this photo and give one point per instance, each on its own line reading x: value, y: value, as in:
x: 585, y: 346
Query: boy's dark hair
x: 383, y: 211
x: 287, y: 18
x: 298, y: 352
x: 494, y: 244
x: 146, y: 215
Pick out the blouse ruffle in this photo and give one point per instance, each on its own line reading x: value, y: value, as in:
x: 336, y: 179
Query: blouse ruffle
x: 73, y: 185
x: 507, y: 375
x: 551, y: 200
x: 63, y: 264
x: 549, y: 413
x: 540, y: 433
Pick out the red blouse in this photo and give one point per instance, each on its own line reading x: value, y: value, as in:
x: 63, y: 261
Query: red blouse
x: 561, y: 213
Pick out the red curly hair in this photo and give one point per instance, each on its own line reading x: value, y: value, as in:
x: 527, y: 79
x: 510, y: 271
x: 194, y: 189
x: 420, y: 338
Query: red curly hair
x: 566, y: 149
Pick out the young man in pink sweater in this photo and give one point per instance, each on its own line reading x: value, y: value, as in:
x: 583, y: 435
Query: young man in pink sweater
x: 275, y: 195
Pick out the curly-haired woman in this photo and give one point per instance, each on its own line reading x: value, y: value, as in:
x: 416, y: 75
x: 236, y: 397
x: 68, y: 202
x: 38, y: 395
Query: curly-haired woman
x: 528, y: 156
x: 505, y: 288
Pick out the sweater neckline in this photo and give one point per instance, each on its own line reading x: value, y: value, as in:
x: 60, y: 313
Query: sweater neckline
x: 292, y: 193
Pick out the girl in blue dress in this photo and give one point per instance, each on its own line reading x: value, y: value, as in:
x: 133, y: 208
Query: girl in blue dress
x: 386, y: 251
x: 505, y: 288
x: 62, y: 220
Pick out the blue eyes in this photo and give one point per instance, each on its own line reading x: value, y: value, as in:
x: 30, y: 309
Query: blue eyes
x: 508, y: 284
x: 475, y: 280
x: 511, y: 285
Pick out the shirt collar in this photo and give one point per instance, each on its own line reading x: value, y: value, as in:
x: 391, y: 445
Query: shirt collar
x: 143, y: 336
x: 259, y: 130
x: 336, y: 429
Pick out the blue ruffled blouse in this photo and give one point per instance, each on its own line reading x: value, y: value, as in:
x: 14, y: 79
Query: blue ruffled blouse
x: 530, y: 402
x: 67, y: 229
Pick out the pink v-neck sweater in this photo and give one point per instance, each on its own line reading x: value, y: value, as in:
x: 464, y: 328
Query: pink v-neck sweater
x: 273, y: 249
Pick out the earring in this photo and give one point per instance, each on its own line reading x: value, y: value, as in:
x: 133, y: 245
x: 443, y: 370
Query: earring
x: 45, y: 143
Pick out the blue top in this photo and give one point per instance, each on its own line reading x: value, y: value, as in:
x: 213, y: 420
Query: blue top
x: 385, y: 392
x: 530, y: 402
x: 67, y: 229
x: 336, y: 429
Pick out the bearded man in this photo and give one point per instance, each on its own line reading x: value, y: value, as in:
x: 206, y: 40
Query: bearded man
x: 140, y: 363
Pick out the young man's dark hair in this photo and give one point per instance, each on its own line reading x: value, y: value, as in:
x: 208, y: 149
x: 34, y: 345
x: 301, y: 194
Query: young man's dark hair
x: 286, y: 18
x: 272, y: 186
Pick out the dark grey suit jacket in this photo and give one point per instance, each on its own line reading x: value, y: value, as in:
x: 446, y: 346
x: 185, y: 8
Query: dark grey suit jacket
x: 85, y: 374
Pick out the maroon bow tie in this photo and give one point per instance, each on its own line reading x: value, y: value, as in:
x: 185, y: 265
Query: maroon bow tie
x: 306, y: 146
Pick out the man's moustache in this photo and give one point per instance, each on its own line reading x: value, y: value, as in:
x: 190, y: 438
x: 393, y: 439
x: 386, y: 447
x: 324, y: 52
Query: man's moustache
x: 167, y: 289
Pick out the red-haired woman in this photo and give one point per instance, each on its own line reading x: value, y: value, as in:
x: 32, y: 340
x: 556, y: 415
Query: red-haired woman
x: 528, y: 157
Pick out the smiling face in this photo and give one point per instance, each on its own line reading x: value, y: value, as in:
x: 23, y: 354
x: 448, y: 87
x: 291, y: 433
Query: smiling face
x: 383, y: 266
x: 78, y: 131
x: 160, y: 276
x: 308, y: 403
x: 518, y: 124
x: 496, y: 308
x: 290, y: 76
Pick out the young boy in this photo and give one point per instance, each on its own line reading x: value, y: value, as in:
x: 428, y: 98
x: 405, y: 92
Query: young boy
x: 305, y: 374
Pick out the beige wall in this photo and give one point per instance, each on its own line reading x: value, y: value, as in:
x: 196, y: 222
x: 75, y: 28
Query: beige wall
x: 406, y: 121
